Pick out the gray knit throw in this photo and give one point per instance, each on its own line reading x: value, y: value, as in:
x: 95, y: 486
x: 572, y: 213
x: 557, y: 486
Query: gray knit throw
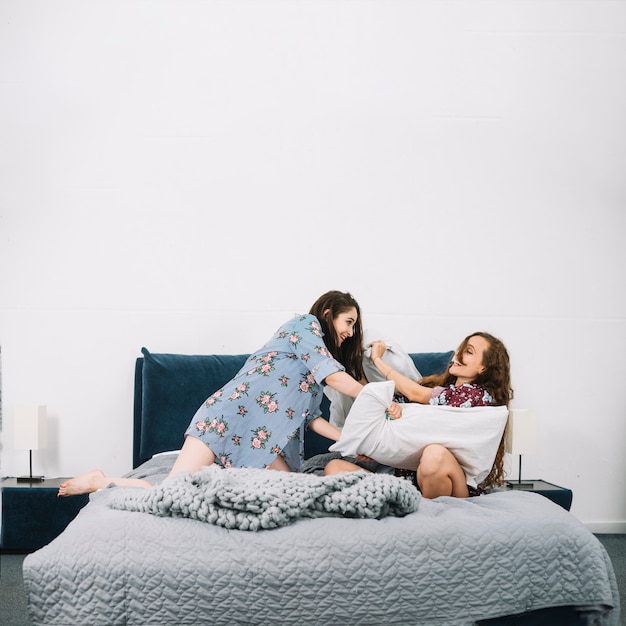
x: 253, y: 499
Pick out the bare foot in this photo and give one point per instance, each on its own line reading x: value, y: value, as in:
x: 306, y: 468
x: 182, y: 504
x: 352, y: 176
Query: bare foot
x: 87, y: 483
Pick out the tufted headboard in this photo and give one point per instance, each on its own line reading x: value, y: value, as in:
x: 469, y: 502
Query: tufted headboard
x: 169, y: 388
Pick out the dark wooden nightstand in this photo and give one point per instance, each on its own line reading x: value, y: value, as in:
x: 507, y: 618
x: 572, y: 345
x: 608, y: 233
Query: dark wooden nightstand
x: 33, y: 515
x: 559, y: 495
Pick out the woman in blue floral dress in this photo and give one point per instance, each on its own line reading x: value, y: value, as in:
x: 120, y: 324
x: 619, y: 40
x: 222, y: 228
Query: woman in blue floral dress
x: 258, y: 418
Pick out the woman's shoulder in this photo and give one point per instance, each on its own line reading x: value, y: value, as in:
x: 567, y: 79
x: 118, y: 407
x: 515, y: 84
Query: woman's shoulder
x: 298, y: 328
x: 306, y: 321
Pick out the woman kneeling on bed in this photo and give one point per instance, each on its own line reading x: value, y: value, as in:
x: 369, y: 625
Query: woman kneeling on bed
x: 479, y: 375
x: 258, y: 418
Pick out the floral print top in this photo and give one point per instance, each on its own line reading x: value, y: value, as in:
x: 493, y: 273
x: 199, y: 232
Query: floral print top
x: 463, y: 396
x: 264, y: 409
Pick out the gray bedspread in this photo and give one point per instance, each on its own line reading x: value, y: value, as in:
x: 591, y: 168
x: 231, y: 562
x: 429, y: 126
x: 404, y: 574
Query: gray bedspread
x: 453, y: 562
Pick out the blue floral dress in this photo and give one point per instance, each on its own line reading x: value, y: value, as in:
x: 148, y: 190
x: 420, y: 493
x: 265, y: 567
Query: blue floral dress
x: 264, y: 409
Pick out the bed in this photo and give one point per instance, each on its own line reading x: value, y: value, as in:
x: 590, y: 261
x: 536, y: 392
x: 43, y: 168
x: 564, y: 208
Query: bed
x: 507, y: 557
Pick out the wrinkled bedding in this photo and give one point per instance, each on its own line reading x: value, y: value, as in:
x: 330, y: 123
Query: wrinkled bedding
x: 453, y: 562
x: 257, y: 499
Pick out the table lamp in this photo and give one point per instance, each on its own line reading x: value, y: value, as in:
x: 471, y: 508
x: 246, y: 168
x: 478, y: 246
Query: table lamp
x: 31, y: 433
x: 522, y: 439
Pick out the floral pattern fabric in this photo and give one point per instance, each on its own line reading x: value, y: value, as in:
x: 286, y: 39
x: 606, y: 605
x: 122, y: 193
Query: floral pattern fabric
x: 464, y: 396
x: 264, y: 409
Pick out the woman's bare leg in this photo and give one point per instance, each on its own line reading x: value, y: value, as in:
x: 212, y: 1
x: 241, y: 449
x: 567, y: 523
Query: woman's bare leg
x: 337, y: 466
x: 193, y: 455
x: 439, y: 474
x: 94, y: 480
x: 279, y: 464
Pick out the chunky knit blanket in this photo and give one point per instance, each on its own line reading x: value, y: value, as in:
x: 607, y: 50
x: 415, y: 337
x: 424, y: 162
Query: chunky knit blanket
x: 254, y: 499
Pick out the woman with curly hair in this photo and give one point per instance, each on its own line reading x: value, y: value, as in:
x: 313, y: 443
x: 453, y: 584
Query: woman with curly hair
x: 478, y: 375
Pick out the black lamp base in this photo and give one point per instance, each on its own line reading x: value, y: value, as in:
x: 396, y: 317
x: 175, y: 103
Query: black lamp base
x: 30, y: 479
x: 519, y: 483
x: 514, y: 484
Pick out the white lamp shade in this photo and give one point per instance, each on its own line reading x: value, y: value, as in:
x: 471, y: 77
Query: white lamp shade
x: 30, y: 426
x: 522, y: 437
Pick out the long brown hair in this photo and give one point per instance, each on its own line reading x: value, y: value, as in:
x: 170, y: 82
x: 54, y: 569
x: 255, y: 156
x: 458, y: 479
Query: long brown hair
x: 496, y: 379
x: 350, y: 353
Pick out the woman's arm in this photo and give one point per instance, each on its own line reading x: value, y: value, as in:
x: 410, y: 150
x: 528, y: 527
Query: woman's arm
x: 344, y: 383
x: 407, y: 387
x: 324, y: 428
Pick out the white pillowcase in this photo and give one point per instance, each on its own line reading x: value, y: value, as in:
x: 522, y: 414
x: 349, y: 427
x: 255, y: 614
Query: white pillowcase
x: 395, y: 357
x: 340, y: 405
x: 472, y: 434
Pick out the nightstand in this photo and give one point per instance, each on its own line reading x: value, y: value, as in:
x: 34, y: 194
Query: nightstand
x: 33, y: 515
x: 559, y: 495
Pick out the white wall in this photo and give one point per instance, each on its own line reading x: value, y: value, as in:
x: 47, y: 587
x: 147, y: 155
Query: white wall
x: 185, y: 175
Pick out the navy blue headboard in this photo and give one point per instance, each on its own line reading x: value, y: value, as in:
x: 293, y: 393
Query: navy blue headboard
x: 169, y: 388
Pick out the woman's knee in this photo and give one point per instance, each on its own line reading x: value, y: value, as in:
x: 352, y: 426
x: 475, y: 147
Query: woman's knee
x: 434, y: 459
x: 439, y: 473
x: 337, y: 466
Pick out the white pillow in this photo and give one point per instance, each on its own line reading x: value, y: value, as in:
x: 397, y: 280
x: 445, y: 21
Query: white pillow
x: 340, y: 405
x: 395, y: 357
x: 472, y: 435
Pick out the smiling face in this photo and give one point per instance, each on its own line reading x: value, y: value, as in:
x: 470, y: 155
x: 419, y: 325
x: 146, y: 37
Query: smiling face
x: 344, y: 324
x: 468, y: 360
